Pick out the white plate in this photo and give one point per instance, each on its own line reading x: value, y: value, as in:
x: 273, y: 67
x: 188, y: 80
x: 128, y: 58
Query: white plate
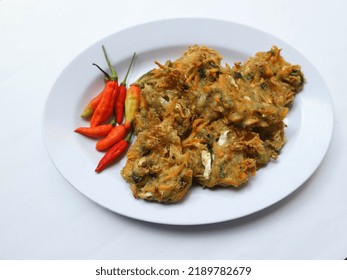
x: 310, y: 122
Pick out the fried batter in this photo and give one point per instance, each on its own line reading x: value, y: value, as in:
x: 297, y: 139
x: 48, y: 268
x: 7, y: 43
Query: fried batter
x: 157, y: 167
x: 201, y: 122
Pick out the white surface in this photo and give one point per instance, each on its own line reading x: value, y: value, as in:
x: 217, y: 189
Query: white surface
x: 42, y: 216
x: 311, y: 117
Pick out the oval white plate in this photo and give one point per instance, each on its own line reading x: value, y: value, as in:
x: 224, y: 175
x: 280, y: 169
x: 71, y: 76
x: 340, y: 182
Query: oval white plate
x: 310, y: 122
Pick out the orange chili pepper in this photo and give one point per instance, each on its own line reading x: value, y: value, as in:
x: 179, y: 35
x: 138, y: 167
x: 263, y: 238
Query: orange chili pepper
x: 89, y: 110
x: 119, y: 108
x: 97, y: 131
x: 114, y: 153
x: 105, y: 107
x: 114, y: 136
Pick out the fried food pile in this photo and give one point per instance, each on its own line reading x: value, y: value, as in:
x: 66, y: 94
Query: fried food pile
x: 204, y: 123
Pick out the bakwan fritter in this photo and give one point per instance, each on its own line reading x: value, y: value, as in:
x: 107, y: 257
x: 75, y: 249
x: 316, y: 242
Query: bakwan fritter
x: 201, y: 122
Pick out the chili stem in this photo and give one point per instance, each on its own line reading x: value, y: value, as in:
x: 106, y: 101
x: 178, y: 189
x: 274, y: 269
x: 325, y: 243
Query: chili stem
x: 114, y: 75
x: 126, y: 75
x: 142, y: 76
x: 107, y: 76
x: 128, y: 136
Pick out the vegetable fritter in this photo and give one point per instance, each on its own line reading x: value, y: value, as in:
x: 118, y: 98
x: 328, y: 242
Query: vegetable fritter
x: 203, y: 122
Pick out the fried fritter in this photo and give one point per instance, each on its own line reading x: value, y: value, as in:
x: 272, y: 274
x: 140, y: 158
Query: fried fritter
x: 157, y: 167
x: 201, y: 122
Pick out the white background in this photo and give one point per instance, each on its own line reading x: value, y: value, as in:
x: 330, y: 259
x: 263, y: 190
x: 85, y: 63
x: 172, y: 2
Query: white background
x: 43, y: 217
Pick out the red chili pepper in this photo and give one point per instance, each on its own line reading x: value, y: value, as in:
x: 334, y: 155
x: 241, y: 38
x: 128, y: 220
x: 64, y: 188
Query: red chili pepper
x: 96, y: 131
x: 105, y: 107
x: 120, y: 104
x: 115, y: 135
x: 132, y: 102
x: 114, y: 153
x: 104, y: 110
x: 119, y: 108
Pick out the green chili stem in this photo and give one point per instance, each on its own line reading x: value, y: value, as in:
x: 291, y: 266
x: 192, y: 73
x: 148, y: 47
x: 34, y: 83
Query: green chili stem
x: 126, y: 76
x: 114, y: 75
x: 142, y: 76
x: 129, y: 135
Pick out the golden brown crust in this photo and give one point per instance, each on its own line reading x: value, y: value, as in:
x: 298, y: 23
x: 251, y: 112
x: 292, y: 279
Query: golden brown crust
x: 157, y: 169
x: 200, y: 121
